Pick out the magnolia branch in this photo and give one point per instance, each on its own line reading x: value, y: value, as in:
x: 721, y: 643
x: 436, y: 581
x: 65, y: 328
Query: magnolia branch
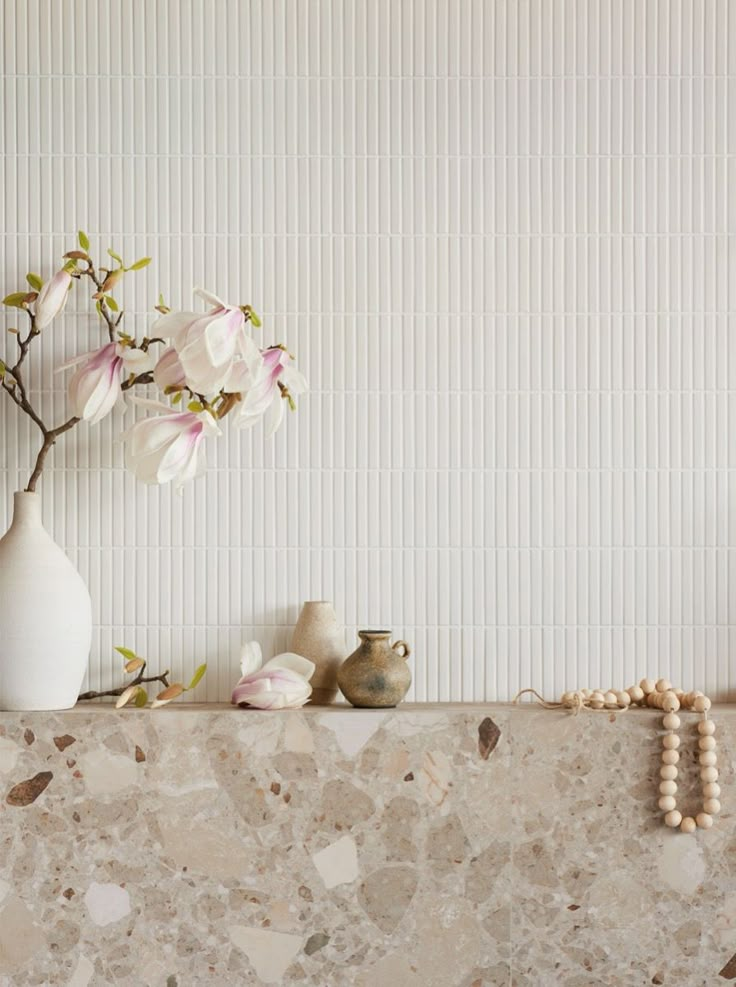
x: 15, y: 387
x: 12, y: 381
x: 140, y: 679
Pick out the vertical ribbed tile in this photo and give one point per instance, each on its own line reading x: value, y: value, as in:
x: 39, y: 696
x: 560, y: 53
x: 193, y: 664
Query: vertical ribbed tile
x: 499, y: 238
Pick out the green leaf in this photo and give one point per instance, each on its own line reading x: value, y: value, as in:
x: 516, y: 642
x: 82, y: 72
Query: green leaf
x: 125, y: 652
x: 195, y: 406
x: 254, y: 319
x: 16, y: 299
x: 111, y: 303
x: 3, y: 368
x: 34, y: 281
x: 197, y: 677
x: 140, y: 264
x: 176, y: 398
x: 161, y: 298
x: 115, y: 256
x: 83, y: 240
x: 141, y: 698
x: 98, y: 306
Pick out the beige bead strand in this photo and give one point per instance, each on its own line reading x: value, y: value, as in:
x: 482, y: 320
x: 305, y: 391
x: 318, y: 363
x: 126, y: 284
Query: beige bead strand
x: 663, y: 695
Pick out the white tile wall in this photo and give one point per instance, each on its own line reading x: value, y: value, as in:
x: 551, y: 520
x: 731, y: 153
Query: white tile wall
x: 499, y: 237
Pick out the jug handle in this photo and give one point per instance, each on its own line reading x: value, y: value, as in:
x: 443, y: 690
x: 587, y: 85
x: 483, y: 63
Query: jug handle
x: 401, y: 644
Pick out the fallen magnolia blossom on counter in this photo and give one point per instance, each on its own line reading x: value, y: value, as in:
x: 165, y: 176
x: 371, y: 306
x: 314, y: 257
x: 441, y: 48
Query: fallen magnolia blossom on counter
x: 282, y: 683
x: 135, y: 693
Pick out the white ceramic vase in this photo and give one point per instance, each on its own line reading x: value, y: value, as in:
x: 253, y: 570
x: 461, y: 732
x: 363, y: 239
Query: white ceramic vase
x: 319, y: 637
x: 45, y: 616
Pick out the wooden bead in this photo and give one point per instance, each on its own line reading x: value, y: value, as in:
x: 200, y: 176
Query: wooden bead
x: 673, y: 818
x: 670, y: 702
x: 647, y: 686
x: 688, y: 825
x: 712, y: 807
x: 636, y: 692
x: 663, y: 685
x: 709, y: 774
x: 670, y: 741
x: 671, y: 721
x: 708, y: 759
x: 668, y: 772
x: 587, y: 693
x: 704, y: 820
x: 670, y: 757
x: 706, y: 728
x: 668, y: 788
x: 610, y: 699
x: 623, y: 699
x: 701, y: 704
x: 711, y: 790
x: 707, y: 743
x: 667, y: 803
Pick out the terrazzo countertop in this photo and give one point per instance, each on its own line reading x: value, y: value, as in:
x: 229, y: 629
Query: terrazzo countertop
x: 449, y: 845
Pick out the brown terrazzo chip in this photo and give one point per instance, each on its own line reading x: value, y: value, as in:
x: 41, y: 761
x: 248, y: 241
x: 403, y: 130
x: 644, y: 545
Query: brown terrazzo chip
x: 729, y: 970
x: 139, y: 754
x: 316, y: 941
x: 29, y: 736
x: 28, y: 791
x: 488, y: 737
x: 63, y: 742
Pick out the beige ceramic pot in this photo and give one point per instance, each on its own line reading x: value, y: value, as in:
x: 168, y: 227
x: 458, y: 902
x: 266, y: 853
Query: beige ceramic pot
x: 376, y: 675
x: 319, y: 636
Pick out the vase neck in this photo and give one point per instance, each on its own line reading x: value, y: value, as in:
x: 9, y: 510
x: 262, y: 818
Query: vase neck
x: 26, y: 510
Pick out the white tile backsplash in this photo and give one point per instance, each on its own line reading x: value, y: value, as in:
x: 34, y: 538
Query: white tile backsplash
x: 498, y: 236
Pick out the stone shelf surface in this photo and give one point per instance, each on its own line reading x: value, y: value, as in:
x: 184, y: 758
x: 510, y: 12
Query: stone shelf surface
x: 447, y: 845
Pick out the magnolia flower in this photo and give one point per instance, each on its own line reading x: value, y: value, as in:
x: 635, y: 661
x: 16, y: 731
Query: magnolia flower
x: 52, y: 298
x: 169, y: 446
x: 265, y: 398
x: 96, y: 384
x: 209, y: 344
x: 282, y: 683
x: 169, y: 372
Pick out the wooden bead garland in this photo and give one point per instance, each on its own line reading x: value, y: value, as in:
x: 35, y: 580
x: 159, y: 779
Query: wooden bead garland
x: 663, y: 695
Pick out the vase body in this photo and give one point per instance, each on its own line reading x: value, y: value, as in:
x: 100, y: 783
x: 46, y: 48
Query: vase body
x: 376, y: 675
x: 319, y: 636
x: 45, y: 616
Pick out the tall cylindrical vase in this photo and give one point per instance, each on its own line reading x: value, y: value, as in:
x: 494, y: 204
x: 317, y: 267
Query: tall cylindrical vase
x: 319, y: 636
x: 45, y: 616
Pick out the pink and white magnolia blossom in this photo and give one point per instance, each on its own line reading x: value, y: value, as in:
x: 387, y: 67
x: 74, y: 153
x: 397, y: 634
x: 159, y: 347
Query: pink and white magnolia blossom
x: 282, y: 683
x: 52, y: 298
x: 265, y: 397
x: 96, y: 384
x: 168, y: 447
x: 209, y: 344
x: 169, y: 372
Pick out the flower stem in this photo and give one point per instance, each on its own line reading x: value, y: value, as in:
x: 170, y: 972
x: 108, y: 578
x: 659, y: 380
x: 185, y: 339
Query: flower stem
x: 140, y: 679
